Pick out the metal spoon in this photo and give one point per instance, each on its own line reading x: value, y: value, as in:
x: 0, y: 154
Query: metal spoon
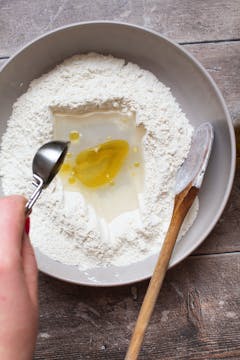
x: 46, y: 164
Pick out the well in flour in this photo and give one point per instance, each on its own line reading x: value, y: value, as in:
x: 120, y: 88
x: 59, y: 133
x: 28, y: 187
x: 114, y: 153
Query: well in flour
x: 120, y: 193
x: 64, y: 225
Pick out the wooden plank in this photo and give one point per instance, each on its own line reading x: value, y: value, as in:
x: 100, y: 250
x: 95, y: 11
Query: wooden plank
x: 222, y: 62
x: 23, y: 20
x: 225, y: 235
x: 196, y: 317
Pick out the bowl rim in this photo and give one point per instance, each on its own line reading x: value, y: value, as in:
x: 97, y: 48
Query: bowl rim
x: 219, y: 96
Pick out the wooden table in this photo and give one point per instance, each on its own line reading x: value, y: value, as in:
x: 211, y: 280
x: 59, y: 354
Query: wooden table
x: 197, y: 315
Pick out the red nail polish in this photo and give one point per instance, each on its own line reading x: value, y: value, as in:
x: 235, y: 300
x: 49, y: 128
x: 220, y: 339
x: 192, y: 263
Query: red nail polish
x: 27, y: 225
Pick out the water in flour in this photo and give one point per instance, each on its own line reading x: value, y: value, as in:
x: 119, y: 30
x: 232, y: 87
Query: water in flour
x: 64, y: 226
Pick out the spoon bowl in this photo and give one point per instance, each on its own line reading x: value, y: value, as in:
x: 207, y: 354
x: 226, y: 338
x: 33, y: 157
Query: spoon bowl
x: 46, y: 164
x: 48, y: 160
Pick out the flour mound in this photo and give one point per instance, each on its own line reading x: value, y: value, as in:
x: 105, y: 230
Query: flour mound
x: 63, y: 225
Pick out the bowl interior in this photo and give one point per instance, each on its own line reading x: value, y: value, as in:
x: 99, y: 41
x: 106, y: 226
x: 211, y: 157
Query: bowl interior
x: 193, y: 89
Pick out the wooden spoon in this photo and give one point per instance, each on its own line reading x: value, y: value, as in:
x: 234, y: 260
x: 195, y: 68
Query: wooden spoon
x: 188, y: 182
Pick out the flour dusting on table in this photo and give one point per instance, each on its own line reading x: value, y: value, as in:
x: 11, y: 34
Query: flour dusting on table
x: 63, y: 225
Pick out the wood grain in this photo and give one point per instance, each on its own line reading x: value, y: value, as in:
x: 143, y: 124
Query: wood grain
x: 197, y: 316
x: 225, y: 235
x: 222, y: 61
x: 198, y: 313
x: 181, y: 20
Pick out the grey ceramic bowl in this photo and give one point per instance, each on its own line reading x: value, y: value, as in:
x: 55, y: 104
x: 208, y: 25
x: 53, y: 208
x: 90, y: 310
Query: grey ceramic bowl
x: 193, y: 88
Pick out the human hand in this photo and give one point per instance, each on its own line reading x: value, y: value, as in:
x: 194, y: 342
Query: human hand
x: 18, y: 283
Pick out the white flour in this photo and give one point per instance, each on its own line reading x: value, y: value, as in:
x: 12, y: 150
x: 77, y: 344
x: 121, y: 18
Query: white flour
x: 63, y: 225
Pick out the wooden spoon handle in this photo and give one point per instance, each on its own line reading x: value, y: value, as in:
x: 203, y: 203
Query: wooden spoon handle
x: 181, y: 208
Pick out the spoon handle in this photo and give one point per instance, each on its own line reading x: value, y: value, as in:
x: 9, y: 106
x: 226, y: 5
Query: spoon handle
x: 38, y: 183
x: 183, y: 202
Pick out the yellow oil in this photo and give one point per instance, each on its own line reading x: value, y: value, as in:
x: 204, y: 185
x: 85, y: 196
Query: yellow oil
x: 74, y: 135
x: 68, y: 155
x: 66, y: 167
x: 72, y: 180
x: 97, y: 166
